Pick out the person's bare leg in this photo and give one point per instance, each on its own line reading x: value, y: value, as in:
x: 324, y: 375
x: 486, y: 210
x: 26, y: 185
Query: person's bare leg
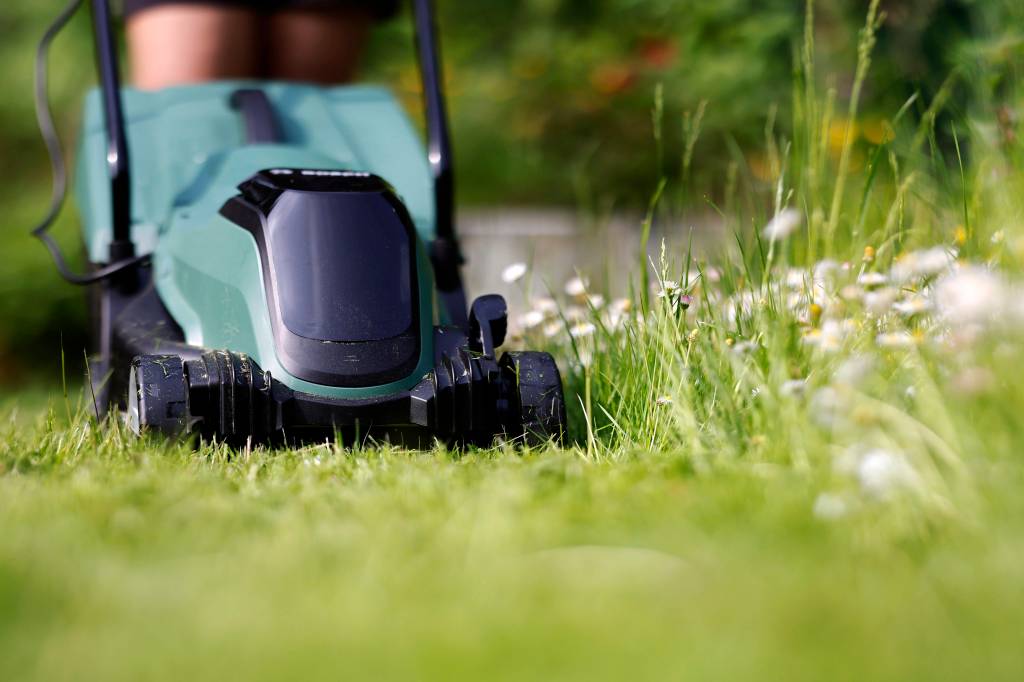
x: 179, y: 44
x: 321, y: 47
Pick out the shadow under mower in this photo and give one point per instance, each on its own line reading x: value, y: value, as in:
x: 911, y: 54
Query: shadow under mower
x: 270, y: 265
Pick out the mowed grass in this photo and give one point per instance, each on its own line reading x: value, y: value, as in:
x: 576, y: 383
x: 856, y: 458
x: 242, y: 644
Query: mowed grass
x: 129, y: 561
x: 798, y: 457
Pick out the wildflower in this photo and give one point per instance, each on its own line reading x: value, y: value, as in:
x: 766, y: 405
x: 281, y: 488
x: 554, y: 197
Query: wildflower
x: 794, y: 387
x: 851, y: 293
x: 553, y: 329
x: 547, y: 306
x: 621, y: 305
x: 881, y: 473
x: 744, y: 347
x: 869, y: 254
x: 922, y: 264
x: 823, y: 270
x: 672, y: 294
x: 871, y: 280
x: 972, y: 381
x: 894, y: 340
x: 582, y: 329
x: 879, y: 302
x: 669, y: 288
x: 576, y: 287
x: 854, y: 370
x: 531, y: 319
x: 973, y: 294
x: 595, y: 301
x: 912, y: 306
x: 575, y: 313
x: 960, y: 235
x: 783, y: 225
x: 513, y: 273
x: 663, y: 400
x: 815, y: 311
x: 827, y: 407
x: 795, y: 278
x: 829, y: 507
x: 616, y: 312
x: 829, y: 338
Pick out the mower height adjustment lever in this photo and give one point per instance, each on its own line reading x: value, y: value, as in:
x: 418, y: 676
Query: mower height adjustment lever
x: 488, y: 322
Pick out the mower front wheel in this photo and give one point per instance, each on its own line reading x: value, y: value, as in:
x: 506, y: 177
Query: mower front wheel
x: 540, y: 402
x: 158, y: 395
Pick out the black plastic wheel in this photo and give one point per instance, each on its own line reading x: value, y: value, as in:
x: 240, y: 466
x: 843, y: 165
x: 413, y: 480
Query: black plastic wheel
x: 158, y: 395
x: 541, y: 401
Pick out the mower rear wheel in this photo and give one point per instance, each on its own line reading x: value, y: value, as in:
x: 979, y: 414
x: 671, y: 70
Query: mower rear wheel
x: 541, y: 402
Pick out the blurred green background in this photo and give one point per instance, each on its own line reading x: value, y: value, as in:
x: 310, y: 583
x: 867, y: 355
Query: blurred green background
x: 551, y: 102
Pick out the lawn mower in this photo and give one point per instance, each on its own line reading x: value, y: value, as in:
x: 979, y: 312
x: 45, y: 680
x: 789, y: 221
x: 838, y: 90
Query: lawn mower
x: 277, y: 262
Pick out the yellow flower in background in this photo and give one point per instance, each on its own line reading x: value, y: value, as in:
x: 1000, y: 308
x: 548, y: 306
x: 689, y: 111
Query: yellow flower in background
x: 837, y: 132
x: 960, y: 235
x: 877, y: 131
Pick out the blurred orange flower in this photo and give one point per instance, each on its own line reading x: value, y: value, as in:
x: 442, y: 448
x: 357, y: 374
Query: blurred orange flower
x: 611, y: 79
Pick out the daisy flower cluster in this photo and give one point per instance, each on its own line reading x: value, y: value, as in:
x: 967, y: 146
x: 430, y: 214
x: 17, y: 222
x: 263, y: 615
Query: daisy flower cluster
x: 833, y: 340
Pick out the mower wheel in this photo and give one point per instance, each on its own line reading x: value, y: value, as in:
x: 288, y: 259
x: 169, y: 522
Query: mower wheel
x: 158, y: 395
x: 538, y: 389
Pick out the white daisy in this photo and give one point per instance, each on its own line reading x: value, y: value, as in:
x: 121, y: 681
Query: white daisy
x: 513, y: 273
x: 576, y: 287
x: 872, y: 280
x: 531, y: 319
x: 974, y: 294
x: 783, y: 225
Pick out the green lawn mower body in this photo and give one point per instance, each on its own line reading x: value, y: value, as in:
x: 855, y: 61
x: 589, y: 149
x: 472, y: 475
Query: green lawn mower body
x: 276, y: 268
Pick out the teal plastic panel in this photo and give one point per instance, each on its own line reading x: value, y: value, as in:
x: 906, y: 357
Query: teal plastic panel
x: 187, y: 157
x: 175, y: 135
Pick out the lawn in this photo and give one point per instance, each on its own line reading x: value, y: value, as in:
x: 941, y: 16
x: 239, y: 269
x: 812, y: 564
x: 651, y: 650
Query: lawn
x: 796, y: 455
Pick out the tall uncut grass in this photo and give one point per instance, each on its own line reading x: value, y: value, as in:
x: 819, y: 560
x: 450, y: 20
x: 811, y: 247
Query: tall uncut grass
x: 859, y: 327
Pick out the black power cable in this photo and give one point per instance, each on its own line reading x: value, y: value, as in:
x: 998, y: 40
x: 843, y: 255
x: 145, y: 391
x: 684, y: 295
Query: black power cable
x: 51, y: 138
